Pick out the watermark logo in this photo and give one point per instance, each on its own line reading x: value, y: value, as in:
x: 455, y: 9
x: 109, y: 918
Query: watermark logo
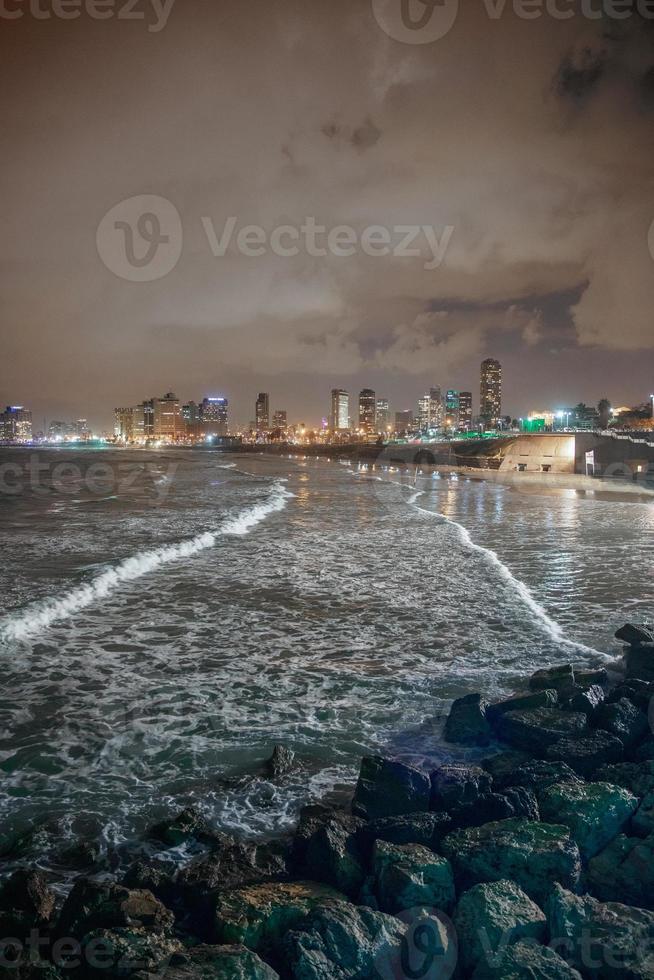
x: 154, y: 12
x: 416, y: 21
x: 428, y: 949
x: 140, y: 239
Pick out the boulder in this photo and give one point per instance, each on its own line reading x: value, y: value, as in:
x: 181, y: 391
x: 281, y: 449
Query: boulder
x: 643, y: 821
x: 514, y: 802
x: 408, y: 875
x: 532, y: 854
x: 183, y: 827
x: 232, y: 864
x: 536, y: 775
x: 452, y: 785
x: 546, y: 698
x: 312, y: 817
x: 587, y: 753
x: 637, y: 777
x: 492, y: 915
x: 639, y: 662
x: 466, y: 723
x: 624, y: 872
x: 639, y: 692
x: 26, y: 902
x: 158, y: 877
x: 645, y: 751
x: 280, y: 763
x: 505, y: 764
x: 586, y: 700
x: 523, y: 801
x: 333, y: 855
x: 526, y: 961
x: 103, y: 905
x: 585, y: 676
x: 635, y: 635
x: 622, y: 719
x: 560, y: 678
x: 535, y: 730
x: 218, y: 963
x: 604, y: 940
x: 387, y: 788
x: 122, y: 952
x: 258, y: 916
x: 427, y: 829
x: 593, y: 812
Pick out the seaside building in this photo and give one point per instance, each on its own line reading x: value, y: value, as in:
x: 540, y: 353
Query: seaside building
x: 490, y: 401
x: 16, y: 424
x: 383, y: 415
x: 262, y: 412
x: 214, y: 416
x: 367, y: 410
x: 123, y: 423
x: 340, y: 410
x: 280, y: 419
x: 430, y: 410
x: 191, y: 413
x: 82, y: 430
x: 452, y: 409
x: 167, y: 418
x: 465, y: 411
x: 403, y: 422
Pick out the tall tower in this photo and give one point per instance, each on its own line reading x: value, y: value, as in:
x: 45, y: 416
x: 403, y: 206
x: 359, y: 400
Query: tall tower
x: 367, y: 410
x: 263, y: 412
x: 339, y: 418
x: 490, y: 402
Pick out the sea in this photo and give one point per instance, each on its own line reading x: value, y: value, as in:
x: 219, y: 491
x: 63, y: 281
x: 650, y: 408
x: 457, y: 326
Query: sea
x: 167, y: 617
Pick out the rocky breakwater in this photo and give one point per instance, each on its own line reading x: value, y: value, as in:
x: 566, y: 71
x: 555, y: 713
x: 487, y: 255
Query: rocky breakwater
x: 535, y: 863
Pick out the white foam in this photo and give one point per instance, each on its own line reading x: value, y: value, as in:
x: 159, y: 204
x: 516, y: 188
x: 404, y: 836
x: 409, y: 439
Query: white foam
x: 493, y: 559
x: 41, y: 615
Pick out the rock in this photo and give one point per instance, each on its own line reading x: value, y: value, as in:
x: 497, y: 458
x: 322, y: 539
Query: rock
x: 608, y: 940
x: 235, y: 864
x: 280, y: 763
x: 343, y: 942
x: 634, y: 635
x: 586, y: 677
x: 467, y: 723
x: 645, y: 751
x: 81, y: 856
x: 492, y: 806
x: 219, y: 963
x: 539, y: 728
x: 103, y: 905
x: 312, y: 817
x: 258, y: 916
x: 407, y: 876
x: 123, y: 952
x: 452, y: 785
x: 158, y: 877
x: 536, y: 775
x: 185, y: 826
x: 624, y: 871
x: 387, y: 789
x: 427, y: 829
x: 586, y: 754
x: 532, y: 854
x: 494, y: 914
x: 622, y: 719
x: 586, y: 700
x: 639, y: 662
x: 26, y: 902
x: 333, y: 855
x: 637, y: 691
x: 643, y: 821
x: 638, y: 778
x: 593, y: 812
x: 526, y: 961
x: 523, y: 801
x: 560, y: 678
x: 505, y: 764
x: 547, y: 698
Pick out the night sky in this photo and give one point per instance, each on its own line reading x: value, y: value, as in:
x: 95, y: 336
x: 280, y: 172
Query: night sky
x: 532, y: 139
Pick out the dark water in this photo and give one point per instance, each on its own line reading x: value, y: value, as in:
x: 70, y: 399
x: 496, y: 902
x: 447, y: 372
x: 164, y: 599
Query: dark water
x: 171, y: 617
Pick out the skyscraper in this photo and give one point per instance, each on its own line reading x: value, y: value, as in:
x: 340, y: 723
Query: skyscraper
x: 280, y: 419
x: 490, y: 402
x: 167, y: 417
x: 367, y: 410
x: 452, y: 409
x: 465, y: 411
x: 16, y: 424
x: 383, y: 415
x: 430, y: 410
x: 214, y: 416
x: 262, y: 410
x: 339, y: 417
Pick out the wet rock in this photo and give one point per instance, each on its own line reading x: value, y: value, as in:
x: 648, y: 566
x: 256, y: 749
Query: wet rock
x: 505, y: 764
x: 634, y: 635
x: 643, y: 821
x: 560, y: 678
x: 624, y: 872
x: 639, y: 662
x: 409, y: 875
x: 535, y: 730
x: 586, y: 677
x: 313, y: 816
x: 532, y: 854
x: 97, y: 905
x: 523, y: 801
x: 593, y: 812
x: 333, y: 855
x: 467, y: 723
x: 622, y: 719
x: 427, y: 829
x: 185, y: 826
x: 280, y: 763
x: 492, y: 806
x: 122, y: 952
x: 257, y: 916
x: 494, y: 914
x: 525, y: 960
x: 26, y: 902
x: 586, y: 700
x: 343, y: 942
x: 218, y: 963
x: 546, y: 698
x: 235, y: 863
x: 454, y: 785
x: 639, y: 692
x: 387, y: 788
x: 645, y: 751
x: 586, y: 754
x: 154, y: 876
x: 638, y: 778
x: 536, y: 775
x: 616, y: 939
x: 81, y: 856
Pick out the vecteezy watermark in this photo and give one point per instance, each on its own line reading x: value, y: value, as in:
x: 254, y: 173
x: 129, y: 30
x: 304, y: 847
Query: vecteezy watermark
x: 154, y: 12
x: 68, y: 954
x: 140, y: 239
x: 426, y: 21
x: 428, y: 950
x: 43, y: 477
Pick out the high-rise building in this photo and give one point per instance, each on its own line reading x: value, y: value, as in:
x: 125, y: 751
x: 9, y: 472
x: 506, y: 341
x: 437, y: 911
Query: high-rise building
x: 383, y: 415
x: 490, y: 403
x: 16, y: 424
x: 58, y: 431
x: 82, y: 430
x: 452, y: 409
x: 465, y: 411
x: 367, y: 410
x: 430, y: 410
x: 339, y: 416
x: 263, y: 412
x: 167, y: 417
x: 403, y: 422
x: 190, y: 413
x: 124, y: 423
x: 214, y: 415
x: 280, y: 419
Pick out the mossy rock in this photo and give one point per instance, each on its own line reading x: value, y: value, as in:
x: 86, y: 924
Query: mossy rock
x: 219, y: 963
x: 594, y: 812
x: 408, y: 876
x: 491, y: 915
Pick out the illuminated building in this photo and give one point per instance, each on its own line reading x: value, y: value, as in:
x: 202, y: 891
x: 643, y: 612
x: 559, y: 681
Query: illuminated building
x: 383, y: 415
x: 280, y: 419
x: 403, y: 421
x: 190, y: 413
x: 340, y: 413
x: 167, y: 418
x: 124, y: 424
x: 491, y: 392
x: 452, y: 409
x: 465, y: 411
x: 262, y: 410
x: 367, y: 410
x: 430, y: 410
x: 214, y: 416
x: 58, y: 431
x: 16, y: 424
x: 82, y: 430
